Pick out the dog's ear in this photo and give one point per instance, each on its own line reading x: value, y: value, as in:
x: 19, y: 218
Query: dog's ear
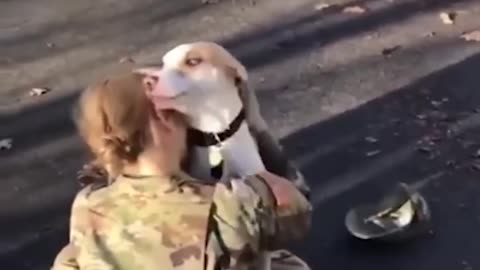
x: 237, y: 72
x: 271, y: 152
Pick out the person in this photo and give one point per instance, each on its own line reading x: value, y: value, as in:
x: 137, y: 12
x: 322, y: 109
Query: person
x: 151, y: 214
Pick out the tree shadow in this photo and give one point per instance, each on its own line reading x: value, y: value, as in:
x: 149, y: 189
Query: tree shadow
x: 315, y: 30
x: 39, y: 125
x: 31, y: 46
x: 429, y: 126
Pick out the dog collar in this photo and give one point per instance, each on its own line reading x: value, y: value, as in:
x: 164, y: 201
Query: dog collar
x: 205, y: 139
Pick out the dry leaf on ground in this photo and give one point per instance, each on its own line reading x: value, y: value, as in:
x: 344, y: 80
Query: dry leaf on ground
x: 477, y: 154
x: 6, y: 144
x: 208, y: 19
x: 38, y: 91
x: 354, y: 10
x: 476, y: 166
x: 321, y: 6
x: 436, y: 103
x: 430, y: 34
x: 447, y: 17
x: 373, y: 153
x: 391, y: 50
x: 425, y: 149
x: 206, y: 2
x: 472, y: 36
x: 126, y: 59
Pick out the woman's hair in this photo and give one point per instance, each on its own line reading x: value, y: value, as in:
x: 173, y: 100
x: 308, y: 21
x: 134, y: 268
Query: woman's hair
x: 112, y: 118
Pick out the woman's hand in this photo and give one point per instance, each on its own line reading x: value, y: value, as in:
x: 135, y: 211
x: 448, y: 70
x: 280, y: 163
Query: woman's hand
x: 286, y: 194
x: 293, y: 211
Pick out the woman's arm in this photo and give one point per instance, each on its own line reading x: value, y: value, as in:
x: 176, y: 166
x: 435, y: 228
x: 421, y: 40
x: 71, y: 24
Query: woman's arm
x: 260, y: 212
x: 292, y: 210
x: 67, y: 258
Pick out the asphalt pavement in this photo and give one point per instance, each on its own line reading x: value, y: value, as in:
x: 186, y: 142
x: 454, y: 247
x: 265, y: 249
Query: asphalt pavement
x: 362, y: 98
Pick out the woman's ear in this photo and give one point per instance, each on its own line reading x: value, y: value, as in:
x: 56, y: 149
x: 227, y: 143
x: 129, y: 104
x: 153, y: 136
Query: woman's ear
x: 150, y: 78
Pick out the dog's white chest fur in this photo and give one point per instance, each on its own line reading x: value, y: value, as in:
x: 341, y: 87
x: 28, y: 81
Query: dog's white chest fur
x: 239, y: 153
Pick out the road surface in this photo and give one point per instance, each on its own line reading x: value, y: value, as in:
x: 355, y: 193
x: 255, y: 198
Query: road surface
x: 327, y: 80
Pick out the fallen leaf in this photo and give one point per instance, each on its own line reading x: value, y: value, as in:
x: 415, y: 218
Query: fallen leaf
x: 390, y: 51
x: 373, y: 153
x: 6, y: 144
x: 447, y: 17
x: 450, y: 163
x: 425, y: 149
x: 321, y: 6
x: 472, y: 36
x: 371, y: 139
x: 371, y: 35
x: 421, y: 116
x: 476, y: 166
x: 430, y: 34
x: 354, y: 10
x: 436, y: 103
x: 126, y: 59
x: 208, y: 19
x: 207, y: 2
x: 37, y: 91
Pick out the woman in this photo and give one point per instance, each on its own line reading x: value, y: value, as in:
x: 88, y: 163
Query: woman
x: 152, y: 215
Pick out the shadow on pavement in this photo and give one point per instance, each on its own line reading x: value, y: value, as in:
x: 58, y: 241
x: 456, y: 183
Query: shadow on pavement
x: 343, y: 176
x: 32, y: 45
x: 313, y: 31
x: 427, y: 127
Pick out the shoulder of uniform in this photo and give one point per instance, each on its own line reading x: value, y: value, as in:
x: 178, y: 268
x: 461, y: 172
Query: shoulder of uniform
x: 238, y: 192
x: 87, y: 192
x: 203, y: 187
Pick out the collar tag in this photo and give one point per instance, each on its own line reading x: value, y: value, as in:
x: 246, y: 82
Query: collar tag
x: 215, y: 156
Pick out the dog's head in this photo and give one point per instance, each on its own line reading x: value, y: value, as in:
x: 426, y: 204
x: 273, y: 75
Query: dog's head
x: 200, y: 79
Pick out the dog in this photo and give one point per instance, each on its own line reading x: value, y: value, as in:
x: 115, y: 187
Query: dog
x: 210, y: 86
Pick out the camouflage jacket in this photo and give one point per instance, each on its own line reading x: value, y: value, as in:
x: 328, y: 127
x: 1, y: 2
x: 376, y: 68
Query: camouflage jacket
x: 178, y: 223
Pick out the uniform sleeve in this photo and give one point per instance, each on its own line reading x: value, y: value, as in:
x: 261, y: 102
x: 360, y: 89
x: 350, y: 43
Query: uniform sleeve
x: 244, y: 220
x: 66, y: 259
x: 248, y: 218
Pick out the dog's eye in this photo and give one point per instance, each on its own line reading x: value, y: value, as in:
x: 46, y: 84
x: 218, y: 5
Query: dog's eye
x: 191, y: 62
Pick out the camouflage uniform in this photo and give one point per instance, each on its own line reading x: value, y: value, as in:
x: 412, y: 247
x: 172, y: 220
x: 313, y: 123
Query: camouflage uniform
x: 151, y: 224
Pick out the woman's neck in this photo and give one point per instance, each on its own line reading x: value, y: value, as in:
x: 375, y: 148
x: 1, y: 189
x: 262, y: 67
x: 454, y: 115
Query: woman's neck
x: 146, y: 167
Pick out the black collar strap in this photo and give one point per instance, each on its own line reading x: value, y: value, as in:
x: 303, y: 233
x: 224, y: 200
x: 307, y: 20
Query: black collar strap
x: 205, y: 139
